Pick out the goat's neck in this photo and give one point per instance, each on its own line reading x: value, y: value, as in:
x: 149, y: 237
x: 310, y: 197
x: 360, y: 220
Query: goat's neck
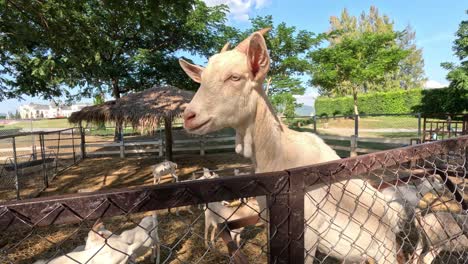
x: 264, y: 132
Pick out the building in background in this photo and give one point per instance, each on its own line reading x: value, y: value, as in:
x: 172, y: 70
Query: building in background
x: 53, y: 110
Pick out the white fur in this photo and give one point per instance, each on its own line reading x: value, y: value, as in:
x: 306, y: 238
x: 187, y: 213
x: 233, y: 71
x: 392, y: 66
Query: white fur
x: 164, y: 168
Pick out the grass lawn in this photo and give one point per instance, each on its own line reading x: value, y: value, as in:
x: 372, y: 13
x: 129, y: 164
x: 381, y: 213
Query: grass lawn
x: 376, y: 122
x: 44, y: 123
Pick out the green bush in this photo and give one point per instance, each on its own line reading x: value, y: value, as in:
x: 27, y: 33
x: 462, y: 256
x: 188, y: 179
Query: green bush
x: 447, y: 100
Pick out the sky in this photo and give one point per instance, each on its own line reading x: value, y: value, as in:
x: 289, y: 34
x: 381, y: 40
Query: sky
x: 435, y: 23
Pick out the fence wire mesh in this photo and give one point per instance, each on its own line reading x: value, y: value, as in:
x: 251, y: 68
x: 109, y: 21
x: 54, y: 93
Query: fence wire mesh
x: 400, y: 206
x: 29, y: 161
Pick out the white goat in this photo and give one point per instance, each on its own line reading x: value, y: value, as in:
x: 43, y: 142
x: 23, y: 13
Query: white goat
x: 164, y: 168
x: 348, y: 220
x: 113, y: 251
x: 217, y: 213
x: 141, y: 238
x: 442, y: 231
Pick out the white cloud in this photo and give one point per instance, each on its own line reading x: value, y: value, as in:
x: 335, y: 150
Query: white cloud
x: 433, y: 84
x: 308, y: 98
x: 239, y: 9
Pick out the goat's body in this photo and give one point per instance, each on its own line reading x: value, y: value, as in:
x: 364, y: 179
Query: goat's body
x: 442, y: 231
x: 348, y: 220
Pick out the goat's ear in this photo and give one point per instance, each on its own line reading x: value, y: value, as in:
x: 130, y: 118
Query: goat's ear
x: 258, y: 59
x: 192, y: 70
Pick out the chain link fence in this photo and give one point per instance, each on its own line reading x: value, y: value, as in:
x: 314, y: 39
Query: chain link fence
x: 398, y: 206
x: 30, y: 160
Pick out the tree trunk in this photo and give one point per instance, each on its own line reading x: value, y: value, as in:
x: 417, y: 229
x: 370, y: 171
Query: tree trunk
x: 118, y: 124
x: 356, y: 112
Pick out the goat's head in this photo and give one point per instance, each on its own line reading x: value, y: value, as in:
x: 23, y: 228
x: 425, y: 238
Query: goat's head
x: 229, y: 86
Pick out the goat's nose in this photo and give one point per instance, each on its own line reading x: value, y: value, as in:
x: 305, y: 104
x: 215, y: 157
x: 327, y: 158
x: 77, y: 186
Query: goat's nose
x: 189, y: 115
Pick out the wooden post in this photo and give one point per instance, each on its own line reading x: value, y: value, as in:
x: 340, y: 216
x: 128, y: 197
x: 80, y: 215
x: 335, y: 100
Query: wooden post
x: 202, y: 146
x: 315, y: 124
x: 419, y: 125
x: 168, y: 137
x: 58, y: 151
x: 83, y: 142
x: 356, y: 125
x: 15, y: 160
x: 43, y: 156
x: 423, y: 139
x: 73, y: 145
x: 122, y: 144
x: 353, y: 146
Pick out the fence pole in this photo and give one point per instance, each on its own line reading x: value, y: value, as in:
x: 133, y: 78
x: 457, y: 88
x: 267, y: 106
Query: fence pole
x: 15, y: 160
x: 43, y: 156
x: 315, y: 124
x: 202, y: 146
x: 356, y: 125
x: 353, y: 146
x: 122, y: 144
x: 58, y: 151
x: 286, y: 225
x: 73, y: 145
x: 83, y: 142
x: 419, y: 125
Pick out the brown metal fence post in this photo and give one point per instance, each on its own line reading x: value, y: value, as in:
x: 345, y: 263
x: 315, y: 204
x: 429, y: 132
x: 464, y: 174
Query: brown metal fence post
x: 15, y: 160
x: 286, y: 226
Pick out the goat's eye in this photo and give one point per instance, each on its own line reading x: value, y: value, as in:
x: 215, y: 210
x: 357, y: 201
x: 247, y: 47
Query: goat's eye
x: 235, y: 77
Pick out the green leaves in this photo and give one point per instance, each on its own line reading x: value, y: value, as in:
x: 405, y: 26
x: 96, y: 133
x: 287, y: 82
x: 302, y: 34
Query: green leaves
x: 347, y: 66
x: 50, y: 47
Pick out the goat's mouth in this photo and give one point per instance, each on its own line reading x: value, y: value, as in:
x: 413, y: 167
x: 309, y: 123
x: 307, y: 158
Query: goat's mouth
x: 196, y: 128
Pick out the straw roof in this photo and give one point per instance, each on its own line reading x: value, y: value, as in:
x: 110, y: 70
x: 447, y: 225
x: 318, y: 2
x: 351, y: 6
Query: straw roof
x: 141, y: 109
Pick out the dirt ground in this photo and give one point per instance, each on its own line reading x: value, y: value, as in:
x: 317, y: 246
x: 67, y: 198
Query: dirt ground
x: 181, y: 236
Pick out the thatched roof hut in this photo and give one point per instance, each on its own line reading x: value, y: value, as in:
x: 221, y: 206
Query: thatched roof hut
x: 141, y: 109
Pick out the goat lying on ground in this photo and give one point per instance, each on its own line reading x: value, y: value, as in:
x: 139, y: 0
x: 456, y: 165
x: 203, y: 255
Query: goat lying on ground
x: 113, y: 251
x: 142, y: 238
x: 441, y: 231
x: 348, y: 220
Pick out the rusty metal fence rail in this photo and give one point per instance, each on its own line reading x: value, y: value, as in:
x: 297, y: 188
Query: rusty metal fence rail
x: 399, y: 206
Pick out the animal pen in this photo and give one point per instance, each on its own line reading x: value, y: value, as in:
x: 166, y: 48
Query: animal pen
x: 29, y: 161
x: 49, y: 227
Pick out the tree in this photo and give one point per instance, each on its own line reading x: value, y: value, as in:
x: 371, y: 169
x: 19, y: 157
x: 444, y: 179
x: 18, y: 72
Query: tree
x: 288, y: 48
x: 356, y: 60
x: 115, y: 46
x: 410, y: 71
x: 458, y: 73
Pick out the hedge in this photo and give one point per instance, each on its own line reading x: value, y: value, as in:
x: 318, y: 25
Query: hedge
x: 446, y: 100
